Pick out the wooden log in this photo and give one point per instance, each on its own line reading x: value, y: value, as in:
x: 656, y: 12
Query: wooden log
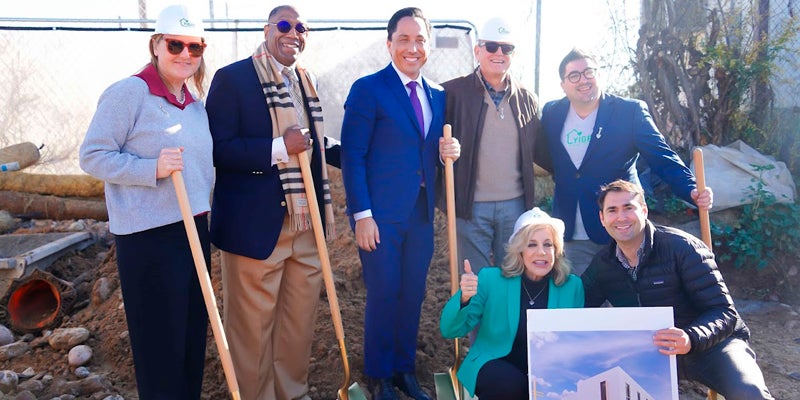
x: 30, y: 205
x: 18, y: 156
x: 56, y: 185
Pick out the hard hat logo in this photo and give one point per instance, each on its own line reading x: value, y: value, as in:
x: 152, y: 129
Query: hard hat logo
x: 179, y: 20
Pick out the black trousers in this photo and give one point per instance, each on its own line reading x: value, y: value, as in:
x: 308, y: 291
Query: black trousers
x: 164, y: 307
x: 501, y: 380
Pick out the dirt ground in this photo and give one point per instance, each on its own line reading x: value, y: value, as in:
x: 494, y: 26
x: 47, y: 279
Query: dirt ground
x: 768, y: 301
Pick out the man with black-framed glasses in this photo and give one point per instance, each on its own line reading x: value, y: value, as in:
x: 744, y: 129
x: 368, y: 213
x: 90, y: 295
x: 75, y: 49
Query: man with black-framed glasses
x: 594, y: 138
x: 263, y: 111
x: 497, y: 122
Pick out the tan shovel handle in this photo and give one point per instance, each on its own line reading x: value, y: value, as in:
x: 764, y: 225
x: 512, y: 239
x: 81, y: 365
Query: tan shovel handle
x: 700, y: 174
x: 450, y: 195
x: 452, y: 245
x: 327, y: 271
x: 205, y: 284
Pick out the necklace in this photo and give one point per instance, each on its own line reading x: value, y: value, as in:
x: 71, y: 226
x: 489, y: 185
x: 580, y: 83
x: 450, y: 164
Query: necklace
x: 532, y: 300
x: 182, y: 98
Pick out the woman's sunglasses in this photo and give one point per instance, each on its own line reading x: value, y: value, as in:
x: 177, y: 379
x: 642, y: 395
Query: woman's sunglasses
x: 175, y: 47
x: 285, y: 26
x: 492, y: 47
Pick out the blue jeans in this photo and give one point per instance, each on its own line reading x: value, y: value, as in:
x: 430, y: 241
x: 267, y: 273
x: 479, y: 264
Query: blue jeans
x: 482, y: 240
x: 730, y: 368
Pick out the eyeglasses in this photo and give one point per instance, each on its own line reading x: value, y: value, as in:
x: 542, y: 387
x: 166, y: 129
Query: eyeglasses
x: 575, y: 76
x: 175, y: 47
x: 492, y: 47
x: 285, y: 26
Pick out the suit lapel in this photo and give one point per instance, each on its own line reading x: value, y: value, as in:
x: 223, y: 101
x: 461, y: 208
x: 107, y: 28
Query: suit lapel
x: 596, y: 141
x: 514, y: 292
x: 398, y: 91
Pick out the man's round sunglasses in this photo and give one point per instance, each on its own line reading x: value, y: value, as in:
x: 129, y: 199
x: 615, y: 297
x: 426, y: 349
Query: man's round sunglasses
x: 575, y: 76
x: 285, y: 26
x: 492, y: 47
x: 175, y: 47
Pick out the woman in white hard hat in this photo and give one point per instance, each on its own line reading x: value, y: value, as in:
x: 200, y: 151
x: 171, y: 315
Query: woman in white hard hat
x: 146, y: 127
x: 534, y: 275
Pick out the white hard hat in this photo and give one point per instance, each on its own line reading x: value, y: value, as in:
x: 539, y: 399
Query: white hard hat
x: 179, y: 19
x: 498, y: 30
x: 536, y: 216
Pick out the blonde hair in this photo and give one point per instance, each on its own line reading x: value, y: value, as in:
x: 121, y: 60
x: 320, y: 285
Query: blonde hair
x: 514, y: 265
x: 199, y: 75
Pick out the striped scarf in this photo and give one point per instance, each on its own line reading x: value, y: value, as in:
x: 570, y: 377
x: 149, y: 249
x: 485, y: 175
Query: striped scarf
x: 283, y: 115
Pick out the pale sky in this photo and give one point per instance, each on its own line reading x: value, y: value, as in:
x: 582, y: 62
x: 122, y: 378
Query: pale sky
x: 565, y: 23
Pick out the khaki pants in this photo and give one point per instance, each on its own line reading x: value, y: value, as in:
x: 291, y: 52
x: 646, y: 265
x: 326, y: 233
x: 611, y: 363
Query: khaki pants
x: 269, y: 311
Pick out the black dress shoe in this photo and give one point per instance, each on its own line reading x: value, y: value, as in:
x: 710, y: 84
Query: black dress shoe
x: 382, y: 389
x: 407, y: 382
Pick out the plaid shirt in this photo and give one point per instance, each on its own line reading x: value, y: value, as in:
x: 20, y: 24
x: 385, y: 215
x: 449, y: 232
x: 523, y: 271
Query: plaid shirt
x: 625, y: 263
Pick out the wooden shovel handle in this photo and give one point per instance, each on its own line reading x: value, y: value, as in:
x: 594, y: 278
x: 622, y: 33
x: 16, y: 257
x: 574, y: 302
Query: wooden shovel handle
x: 699, y: 172
x: 452, y: 244
x: 327, y: 271
x: 205, y: 284
x: 450, y: 195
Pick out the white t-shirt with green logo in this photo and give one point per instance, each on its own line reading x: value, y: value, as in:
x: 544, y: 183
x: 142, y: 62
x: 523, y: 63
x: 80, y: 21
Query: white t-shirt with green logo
x: 575, y: 138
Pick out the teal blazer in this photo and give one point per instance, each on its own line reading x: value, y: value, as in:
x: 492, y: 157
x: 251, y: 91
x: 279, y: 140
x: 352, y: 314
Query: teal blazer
x: 496, y: 308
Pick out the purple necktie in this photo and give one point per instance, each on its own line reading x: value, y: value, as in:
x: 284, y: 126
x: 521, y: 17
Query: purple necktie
x: 416, y: 106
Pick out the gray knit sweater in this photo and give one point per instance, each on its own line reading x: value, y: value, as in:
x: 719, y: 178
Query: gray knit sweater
x: 121, y: 147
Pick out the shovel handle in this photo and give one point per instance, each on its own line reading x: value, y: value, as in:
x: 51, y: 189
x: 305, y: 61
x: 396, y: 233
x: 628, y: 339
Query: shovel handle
x: 325, y: 261
x: 205, y: 283
x: 700, y: 174
x: 450, y: 195
x: 452, y: 245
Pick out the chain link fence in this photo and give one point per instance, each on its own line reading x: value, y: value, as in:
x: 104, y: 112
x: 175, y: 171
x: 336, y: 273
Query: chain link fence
x: 785, y: 86
x: 55, y: 70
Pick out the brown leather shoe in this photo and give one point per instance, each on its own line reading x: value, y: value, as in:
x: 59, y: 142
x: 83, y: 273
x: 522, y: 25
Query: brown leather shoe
x: 408, y: 384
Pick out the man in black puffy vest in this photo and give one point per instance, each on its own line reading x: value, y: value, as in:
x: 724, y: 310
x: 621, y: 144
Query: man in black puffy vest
x: 656, y: 266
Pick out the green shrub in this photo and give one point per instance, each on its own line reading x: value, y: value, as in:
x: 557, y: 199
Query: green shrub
x: 765, y: 230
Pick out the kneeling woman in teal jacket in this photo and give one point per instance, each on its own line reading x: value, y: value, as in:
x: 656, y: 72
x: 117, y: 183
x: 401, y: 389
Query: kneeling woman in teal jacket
x: 534, y: 275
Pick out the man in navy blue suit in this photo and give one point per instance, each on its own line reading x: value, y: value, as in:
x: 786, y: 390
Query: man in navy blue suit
x: 263, y: 111
x: 391, y: 147
x: 595, y: 138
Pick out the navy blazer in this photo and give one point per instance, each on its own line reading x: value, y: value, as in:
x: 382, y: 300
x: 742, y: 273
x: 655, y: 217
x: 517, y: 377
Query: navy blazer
x: 384, y: 156
x: 623, y: 130
x: 249, y: 205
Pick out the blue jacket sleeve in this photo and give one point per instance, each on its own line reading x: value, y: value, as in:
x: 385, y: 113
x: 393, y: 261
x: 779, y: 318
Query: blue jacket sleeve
x: 357, y: 129
x: 662, y: 159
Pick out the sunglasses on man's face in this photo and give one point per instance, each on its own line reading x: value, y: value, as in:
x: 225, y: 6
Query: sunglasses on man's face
x: 175, y: 47
x: 492, y: 47
x: 285, y: 26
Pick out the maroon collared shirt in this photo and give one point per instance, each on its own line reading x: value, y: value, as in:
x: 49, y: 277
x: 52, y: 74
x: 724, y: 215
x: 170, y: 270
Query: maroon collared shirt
x: 157, y: 87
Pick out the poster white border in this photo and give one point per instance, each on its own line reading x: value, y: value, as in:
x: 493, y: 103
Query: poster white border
x: 604, y: 319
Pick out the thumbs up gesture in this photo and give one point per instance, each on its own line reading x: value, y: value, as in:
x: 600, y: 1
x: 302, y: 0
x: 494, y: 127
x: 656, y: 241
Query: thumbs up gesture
x: 469, y: 283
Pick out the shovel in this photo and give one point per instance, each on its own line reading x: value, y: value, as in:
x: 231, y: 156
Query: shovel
x: 700, y: 174
x: 447, y: 384
x: 205, y: 284
x: 347, y: 391
x: 705, y: 222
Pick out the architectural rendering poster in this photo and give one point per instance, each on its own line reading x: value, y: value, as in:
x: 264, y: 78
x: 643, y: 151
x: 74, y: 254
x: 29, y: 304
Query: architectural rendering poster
x: 599, y: 354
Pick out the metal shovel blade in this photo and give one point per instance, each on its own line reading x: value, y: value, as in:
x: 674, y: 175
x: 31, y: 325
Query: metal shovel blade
x: 444, y: 386
x: 353, y: 392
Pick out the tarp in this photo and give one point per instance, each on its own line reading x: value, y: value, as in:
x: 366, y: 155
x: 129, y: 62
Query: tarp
x: 732, y: 172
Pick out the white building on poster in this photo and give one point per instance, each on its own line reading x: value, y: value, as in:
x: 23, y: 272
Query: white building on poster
x: 613, y: 384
